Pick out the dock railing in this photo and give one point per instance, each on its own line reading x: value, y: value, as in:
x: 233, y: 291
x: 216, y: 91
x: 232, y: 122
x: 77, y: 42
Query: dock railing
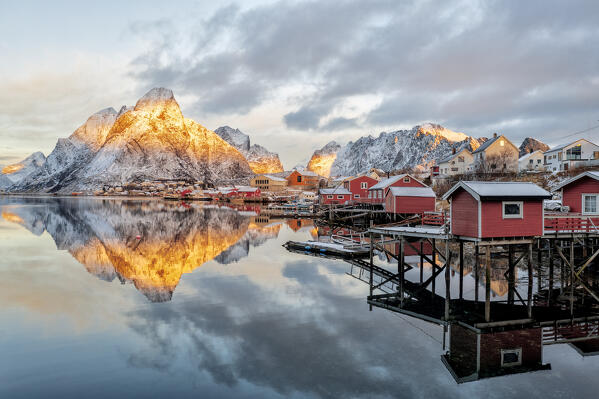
x: 434, y: 218
x: 570, y: 223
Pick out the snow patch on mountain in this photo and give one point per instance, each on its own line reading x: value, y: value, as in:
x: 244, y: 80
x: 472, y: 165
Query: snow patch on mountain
x: 14, y: 173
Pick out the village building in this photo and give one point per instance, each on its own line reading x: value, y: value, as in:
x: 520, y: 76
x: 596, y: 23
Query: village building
x: 337, y: 195
x: 376, y: 173
x: 410, y: 200
x: 581, y: 193
x: 307, y: 196
x: 248, y: 192
x: 482, y: 210
x: 376, y: 193
x: 337, y: 180
x: 304, y: 178
x: 497, y: 154
x: 457, y: 163
x: 567, y: 156
x: 359, y: 186
x: 533, y: 161
x: 269, y: 183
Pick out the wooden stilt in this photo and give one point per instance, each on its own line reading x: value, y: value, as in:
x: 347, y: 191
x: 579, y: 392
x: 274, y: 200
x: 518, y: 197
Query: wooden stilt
x: 371, y: 252
x: 476, y: 272
x: 400, y: 269
x: 488, y: 284
x: 510, y: 273
x: 434, y: 265
x: 421, y: 260
x: 461, y: 269
x: 447, y: 280
x: 530, y: 281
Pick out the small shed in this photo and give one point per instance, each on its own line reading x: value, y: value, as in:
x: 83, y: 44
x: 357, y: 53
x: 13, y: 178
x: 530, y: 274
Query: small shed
x: 338, y: 195
x: 482, y: 210
x: 581, y: 193
x: 359, y: 186
x: 410, y: 200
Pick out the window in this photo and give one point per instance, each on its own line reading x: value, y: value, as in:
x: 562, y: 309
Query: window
x: 559, y: 156
x: 380, y: 193
x: 511, y: 357
x: 530, y: 161
x: 512, y: 209
x: 406, y: 179
x: 299, y: 179
x: 454, y: 169
x: 595, y: 154
x: 329, y: 196
x: 574, y: 152
x: 364, y: 185
x: 369, y: 194
x: 356, y: 195
x: 589, y: 204
x: 539, y: 161
x: 501, y: 143
x: 339, y: 196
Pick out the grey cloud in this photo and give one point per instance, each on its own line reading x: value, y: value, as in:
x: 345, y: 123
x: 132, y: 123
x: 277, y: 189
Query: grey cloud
x: 340, y: 123
x: 306, y: 118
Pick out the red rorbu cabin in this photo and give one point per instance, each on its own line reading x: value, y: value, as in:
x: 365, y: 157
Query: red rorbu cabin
x: 359, y: 186
x: 482, y: 210
x: 248, y: 192
x: 376, y: 193
x: 581, y: 194
x: 337, y: 195
x: 410, y: 200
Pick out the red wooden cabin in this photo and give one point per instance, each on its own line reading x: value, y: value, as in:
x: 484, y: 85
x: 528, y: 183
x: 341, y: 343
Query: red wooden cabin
x: 482, y: 210
x: 359, y: 186
x: 410, y: 200
x: 248, y: 192
x: 337, y: 195
x: 376, y: 193
x: 581, y: 194
x: 304, y: 178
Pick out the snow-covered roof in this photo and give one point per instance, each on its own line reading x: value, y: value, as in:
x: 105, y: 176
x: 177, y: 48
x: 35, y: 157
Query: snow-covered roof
x: 562, y: 146
x: 489, y: 190
x: 387, y: 182
x: 452, y: 156
x: 486, y: 144
x: 307, y: 173
x: 411, y: 192
x: 528, y: 155
x: 275, y: 178
x: 246, y: 189
x: 341, y: 178
x: 592, y: 175
x: 337, y: 190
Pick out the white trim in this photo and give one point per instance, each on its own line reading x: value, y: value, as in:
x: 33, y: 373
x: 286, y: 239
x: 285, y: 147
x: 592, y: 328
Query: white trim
x: 480, y: 229
x: 519, y: 203
x: 450, y: 214
x: 596, y: 195
x: 356, y: 195
x: 329, y: 196
x: 340, y: 196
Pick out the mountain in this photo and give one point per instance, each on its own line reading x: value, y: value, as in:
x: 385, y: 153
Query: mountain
x: 531, y: 145
x: 15, y: 173
x: 323, y: 159
x: 416, y: 148
x: 150, y: 141
x: 260, y: 159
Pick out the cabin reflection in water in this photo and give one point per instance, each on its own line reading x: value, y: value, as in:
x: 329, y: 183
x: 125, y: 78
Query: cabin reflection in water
x: 530, y: 298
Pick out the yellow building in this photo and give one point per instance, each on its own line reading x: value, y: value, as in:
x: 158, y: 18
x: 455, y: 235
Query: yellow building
x: 269, y: 183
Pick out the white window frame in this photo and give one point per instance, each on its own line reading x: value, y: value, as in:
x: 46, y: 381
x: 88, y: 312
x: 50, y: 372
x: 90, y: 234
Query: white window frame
x: 356, y: 195
x: 596, y: 203
x: 518, y: 351
x: 340, y: 196
x: 406, y: 179
x: 329, y: 196
x: 519, y: 216
x: 364, y: 185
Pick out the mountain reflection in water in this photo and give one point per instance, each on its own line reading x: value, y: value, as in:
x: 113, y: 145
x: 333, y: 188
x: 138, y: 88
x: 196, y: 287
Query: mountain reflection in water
x: 148, y: 243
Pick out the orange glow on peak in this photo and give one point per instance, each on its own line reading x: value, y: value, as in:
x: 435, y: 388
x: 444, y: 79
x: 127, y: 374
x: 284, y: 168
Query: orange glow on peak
x: 7, y: 170
x: 11, y: 217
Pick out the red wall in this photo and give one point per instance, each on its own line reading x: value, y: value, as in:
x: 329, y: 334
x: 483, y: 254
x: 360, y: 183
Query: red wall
x: 409, y: 204
x: 491, y: 345
x: 493, y: 225
x: 324, y: 200
x: 464, y: 214
x: 572, y: 193
x: 400, y: 183
x: 354, y: 187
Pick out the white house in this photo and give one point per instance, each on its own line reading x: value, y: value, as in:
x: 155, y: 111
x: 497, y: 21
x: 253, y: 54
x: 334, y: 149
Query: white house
x: 532, y: 161
x: 497, y: 154
x: 457, y: 163
x: 578, y: 153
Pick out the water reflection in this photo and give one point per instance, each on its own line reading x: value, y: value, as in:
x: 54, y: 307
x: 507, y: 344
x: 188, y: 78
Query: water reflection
x: 150, y: 244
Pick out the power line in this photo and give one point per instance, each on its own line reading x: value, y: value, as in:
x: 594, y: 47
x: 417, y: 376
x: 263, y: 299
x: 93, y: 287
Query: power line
x: 582, y: 131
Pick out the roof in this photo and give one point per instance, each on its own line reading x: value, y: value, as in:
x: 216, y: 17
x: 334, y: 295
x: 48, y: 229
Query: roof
x: 276, y: 178
x: 337, y: 190
x: 412, y: 192
x: 341, y: 178
x: 491, y: 190
x: 592, y: 175
x: 246, y: 189
x: 486, y: 145
x: 387, y: 182
x: 307, y: 173
x: 562, y: 146
x: 451, y: 156
x: 525, y: 157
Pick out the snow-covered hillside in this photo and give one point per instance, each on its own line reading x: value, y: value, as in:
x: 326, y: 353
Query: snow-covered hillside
x: 15, y: 173
x: 260, y: 159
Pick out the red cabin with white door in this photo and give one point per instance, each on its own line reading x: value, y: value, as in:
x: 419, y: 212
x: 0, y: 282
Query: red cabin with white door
x: 581, y: 194
x: 376, y: 193
x: 358, y: 186
x: 410, y: 200
x: 481, y: 210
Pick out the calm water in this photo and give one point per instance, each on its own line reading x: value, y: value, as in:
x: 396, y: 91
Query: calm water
x: 106, y: 298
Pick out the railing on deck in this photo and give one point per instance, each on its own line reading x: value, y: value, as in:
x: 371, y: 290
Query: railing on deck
x: 570, y: 223
x: 434, y: 218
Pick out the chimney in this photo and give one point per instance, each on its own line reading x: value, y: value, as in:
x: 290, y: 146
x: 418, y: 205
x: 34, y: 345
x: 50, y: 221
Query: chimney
x: 453, y: 151
x: 494, y: 135
x: 530, y: 151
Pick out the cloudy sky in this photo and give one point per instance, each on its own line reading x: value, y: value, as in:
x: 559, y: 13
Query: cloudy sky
x: 297, y: 74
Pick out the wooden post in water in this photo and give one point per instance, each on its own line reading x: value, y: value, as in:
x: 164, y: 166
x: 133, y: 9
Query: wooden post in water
x: 447, y: 280
x: 400, y: 269
x: 572, y: 276
x: 488, y: 284
x: 434, y: 266
x: 539, y: 263
x: 421, y: 259
x: 461, y: 269
x: 530, y: 279
x: 510, y: 273
x: 476, y: 272
x: 371, y: 265
x: 550, y: 254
